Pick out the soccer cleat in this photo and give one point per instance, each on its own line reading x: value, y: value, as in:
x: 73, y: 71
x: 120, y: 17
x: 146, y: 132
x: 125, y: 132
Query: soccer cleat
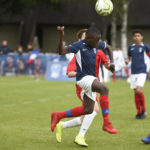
x: 109, y: 128
x: 59, y: 129
x: 143, y: 115
x: 80, y: 140
x: 138, y: 116
x: 146, y: 140
x: 54, y: 120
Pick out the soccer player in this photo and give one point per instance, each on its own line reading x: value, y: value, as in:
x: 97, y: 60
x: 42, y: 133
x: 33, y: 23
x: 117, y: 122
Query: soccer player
x: 146, y: 140
x: 71, y: 72
x: 119, y: 63
x: 85, y: 53
x: 136, y: 54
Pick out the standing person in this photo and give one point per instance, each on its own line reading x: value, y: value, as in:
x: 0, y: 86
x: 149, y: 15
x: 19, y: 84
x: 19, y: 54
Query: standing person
x: 85, y: 54
x: 119, y: 63
x: 4, y: 48
x: 71, y: 72
x: 19, y: 50
x: 29, y: 48
x: 136, y: 53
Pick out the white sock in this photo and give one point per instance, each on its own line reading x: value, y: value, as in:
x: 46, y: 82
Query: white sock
x: 86, y: 123
x: 72, y: 123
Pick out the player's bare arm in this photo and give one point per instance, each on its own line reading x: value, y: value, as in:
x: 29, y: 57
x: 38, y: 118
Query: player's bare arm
x: 127, y: 60
x: 62, y: 49
x: 110, y: 53
x: 72, y: 74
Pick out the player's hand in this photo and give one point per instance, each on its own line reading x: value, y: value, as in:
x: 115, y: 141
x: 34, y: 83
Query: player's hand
x: 126, y: 62
x: 107, y: 65
x: 61, y: 29
x: 112, y: 67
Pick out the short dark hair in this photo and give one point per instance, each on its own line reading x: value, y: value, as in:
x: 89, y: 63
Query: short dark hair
x: 137, y: 31
x: 80, y: 32
x: 92, y: 31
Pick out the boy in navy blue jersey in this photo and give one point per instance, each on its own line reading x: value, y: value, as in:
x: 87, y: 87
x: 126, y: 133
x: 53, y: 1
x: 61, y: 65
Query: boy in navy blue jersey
x: 136, y: 53
x: 85, y: 54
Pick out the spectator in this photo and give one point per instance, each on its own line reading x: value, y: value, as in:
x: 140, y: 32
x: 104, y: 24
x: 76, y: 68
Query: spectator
x: 19, y: 50
x: 4, y: 48
x: 29, y: 48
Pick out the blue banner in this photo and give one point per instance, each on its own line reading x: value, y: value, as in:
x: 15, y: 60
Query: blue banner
x: 57, y: 71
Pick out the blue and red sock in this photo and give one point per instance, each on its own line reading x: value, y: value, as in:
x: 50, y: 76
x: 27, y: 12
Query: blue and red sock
x: 104, y: 103
x: 74, y: 112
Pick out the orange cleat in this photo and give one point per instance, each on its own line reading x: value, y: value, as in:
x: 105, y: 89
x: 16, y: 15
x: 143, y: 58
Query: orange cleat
x: 109, y: 128
x: 54, y: 120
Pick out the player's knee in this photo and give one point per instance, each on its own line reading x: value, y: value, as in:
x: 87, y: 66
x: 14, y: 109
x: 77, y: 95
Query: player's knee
x: 138, y: 90
x: 88, y: 110
x: 96, y: 109
x: 105, y: 90
x: 81, y: 118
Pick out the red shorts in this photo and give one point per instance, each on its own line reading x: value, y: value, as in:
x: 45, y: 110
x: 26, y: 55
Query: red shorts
x: 78, y: 92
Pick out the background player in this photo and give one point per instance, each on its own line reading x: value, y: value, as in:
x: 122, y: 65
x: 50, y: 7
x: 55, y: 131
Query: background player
x: 119, y: 63
x: 71, y: 72
x: 85, y: 52
x: 136, y: 54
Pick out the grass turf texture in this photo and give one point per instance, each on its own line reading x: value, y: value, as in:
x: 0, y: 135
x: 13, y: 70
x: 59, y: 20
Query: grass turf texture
x: 25, y: 106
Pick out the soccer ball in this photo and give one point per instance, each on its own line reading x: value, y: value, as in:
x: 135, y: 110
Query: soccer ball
x: 104, y: 7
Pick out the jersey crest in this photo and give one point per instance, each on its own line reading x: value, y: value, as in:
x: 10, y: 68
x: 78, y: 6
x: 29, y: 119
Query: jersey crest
x: 140, y: 50
x: 94, y: 49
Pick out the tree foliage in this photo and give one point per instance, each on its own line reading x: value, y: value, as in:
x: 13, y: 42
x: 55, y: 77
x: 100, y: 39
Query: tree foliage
x: 118, y: 6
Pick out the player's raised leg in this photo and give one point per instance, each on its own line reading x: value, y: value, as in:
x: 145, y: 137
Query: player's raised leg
x: 87, y: 108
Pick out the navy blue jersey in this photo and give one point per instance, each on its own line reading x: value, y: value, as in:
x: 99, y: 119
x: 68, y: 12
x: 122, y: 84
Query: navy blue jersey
x: 85, y: 58
x: 137, y: 54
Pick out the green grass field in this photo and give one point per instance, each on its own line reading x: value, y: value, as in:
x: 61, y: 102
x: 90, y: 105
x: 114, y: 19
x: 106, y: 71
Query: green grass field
x: 26, y: 104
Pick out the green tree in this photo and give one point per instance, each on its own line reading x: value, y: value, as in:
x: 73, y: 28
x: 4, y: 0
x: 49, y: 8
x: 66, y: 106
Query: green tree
x: 120, y: 11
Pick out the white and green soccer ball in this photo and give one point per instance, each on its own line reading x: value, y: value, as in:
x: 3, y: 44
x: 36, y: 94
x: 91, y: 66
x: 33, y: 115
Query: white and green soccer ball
x: 104, y: 7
